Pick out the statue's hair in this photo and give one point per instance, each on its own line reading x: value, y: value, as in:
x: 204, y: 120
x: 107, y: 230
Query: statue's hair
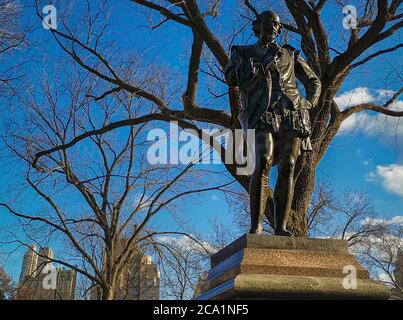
x: 257, y: 22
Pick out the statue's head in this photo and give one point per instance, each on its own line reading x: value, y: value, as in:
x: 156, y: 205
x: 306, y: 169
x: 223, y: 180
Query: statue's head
x: 267, y: 26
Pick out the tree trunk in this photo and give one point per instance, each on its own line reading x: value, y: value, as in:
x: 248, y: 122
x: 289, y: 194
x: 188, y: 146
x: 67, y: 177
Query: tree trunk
x: 305, y: 172
x: 304, y: 187
x: 107, y: 293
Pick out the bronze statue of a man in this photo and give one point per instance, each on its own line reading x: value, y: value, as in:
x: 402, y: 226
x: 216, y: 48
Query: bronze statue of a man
x: 265, y: 74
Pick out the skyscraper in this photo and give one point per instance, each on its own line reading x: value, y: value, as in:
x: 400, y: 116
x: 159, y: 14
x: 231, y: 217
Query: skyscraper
x: 29, y: 264
x: 40, y: 280
x: 44, y: 262
x: 149, y: 280
x: 66, y: 284
x: 139, y: 279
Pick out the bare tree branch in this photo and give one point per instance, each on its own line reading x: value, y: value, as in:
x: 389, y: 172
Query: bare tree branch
x: 373, y: 107
x: 165, y: 12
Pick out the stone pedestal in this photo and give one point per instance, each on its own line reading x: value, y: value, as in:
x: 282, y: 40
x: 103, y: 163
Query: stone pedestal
x: 274, y: 267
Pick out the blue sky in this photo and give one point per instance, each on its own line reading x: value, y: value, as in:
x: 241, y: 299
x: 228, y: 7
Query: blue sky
x: 364, y: 156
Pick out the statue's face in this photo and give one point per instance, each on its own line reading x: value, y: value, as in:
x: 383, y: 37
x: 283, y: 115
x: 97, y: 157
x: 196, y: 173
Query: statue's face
x: 269, y: 30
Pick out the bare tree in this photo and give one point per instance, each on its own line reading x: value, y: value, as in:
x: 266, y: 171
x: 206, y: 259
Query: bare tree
x: 7, y: 289
x: 184, y: 263
x: 321, y: 209
x: 12, y: 38
x: 375, y: 240
x: 181, y: 262
x: 381, y: 253
x: 379, y: 21
x: 98, y: 199
x: 348, y: 217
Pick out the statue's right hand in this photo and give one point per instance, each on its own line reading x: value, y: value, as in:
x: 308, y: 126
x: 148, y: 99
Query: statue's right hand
x: 251, y: 67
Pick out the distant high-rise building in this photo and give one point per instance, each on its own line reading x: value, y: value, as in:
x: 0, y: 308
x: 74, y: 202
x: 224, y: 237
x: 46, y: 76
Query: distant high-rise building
x: 139, y: 279
x: 44, y: 262
x: 40, y: 280
x: 66, y: 284
x: 29, y: 264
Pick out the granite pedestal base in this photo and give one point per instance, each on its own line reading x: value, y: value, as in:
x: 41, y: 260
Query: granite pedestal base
x: 274, y: 267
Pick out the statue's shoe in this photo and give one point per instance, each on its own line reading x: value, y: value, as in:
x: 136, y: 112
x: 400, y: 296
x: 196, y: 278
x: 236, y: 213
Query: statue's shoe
x: 283, y: 232
x: 256, y: 229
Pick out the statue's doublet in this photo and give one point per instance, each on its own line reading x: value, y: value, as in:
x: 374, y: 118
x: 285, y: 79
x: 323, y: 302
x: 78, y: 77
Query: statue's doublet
x: 269, y: 95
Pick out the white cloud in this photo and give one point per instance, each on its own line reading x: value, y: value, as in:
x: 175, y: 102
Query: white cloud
x: 378, y: 244
x: 390, y: 176
x: 362, y: 122
x: 396, y: 220
x: 386, y: 94
x: 360, y: 156
x: 366, y: 122
x: 353, y: 97
x: 384, y: 277
x: 187, y: 244
x: 366, y: 162
x: 145, y: 200
x: 371, y: 176
x: 352, y: 123
x: 215, y: 198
